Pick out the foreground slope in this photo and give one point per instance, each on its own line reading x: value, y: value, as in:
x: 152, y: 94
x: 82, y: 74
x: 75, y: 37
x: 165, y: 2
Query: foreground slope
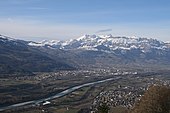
x: 155, y: 100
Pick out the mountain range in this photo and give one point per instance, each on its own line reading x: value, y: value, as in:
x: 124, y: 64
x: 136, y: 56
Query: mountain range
x: 88, y: 51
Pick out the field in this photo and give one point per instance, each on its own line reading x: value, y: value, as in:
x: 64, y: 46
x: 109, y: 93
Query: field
x: 25, y: 88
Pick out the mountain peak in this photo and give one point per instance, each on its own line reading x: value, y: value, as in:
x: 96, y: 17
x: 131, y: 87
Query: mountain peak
x: 86, y: 36
x: 134, y: 37
x: 106, y: 42
x: 106, y: 36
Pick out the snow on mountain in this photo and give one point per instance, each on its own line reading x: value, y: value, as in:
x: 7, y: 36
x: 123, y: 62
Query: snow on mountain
x: 35, y: 44
x: 105, y: 50
x: 105, y: 43
x: 12, y: 41
x: 51, y: 43
x: 5, y: 38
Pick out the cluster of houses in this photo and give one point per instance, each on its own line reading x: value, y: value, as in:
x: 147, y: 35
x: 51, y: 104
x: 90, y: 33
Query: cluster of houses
x: 125, y: 96
x: 122, y: 96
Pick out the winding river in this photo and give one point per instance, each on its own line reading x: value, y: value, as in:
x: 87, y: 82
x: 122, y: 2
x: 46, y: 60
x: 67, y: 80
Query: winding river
x: 63, y: 93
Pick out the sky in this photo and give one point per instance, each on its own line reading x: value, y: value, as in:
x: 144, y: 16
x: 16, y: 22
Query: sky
x: 64, y: 19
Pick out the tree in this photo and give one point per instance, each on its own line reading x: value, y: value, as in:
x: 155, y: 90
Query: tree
x: 103, y: 108
x: 155, y: 100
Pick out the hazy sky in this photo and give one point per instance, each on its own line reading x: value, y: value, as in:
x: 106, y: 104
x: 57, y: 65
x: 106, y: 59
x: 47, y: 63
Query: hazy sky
x: 63, y: 19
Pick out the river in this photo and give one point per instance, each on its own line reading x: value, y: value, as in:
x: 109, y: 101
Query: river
x: 63, y: 93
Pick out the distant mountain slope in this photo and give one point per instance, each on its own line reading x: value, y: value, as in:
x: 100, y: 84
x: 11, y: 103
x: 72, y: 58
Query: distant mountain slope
x: 17, y: 56
x: 87, y: 51
x: 109, y: 50
x: 105, y: 43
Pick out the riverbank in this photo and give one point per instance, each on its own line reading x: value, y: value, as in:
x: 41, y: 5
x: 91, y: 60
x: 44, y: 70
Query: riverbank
x: 63, y: 93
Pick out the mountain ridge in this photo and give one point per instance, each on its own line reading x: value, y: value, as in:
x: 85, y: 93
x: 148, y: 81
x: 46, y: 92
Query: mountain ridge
x: 91, y: 42
x: 86, y: 52
x: 18, y: 57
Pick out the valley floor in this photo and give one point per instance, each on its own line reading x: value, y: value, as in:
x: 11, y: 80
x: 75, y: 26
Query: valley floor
x: 118, y: 94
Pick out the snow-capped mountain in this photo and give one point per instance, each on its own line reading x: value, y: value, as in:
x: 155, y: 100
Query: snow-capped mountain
x: 5, y: 38
x: 88, y: 51
x: 16, y: 56
x: 45, y: 43
x: 106, y: 43
x: 12, y: 42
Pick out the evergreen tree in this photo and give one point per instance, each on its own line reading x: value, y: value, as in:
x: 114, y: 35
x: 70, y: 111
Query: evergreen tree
x: 103, y: 108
